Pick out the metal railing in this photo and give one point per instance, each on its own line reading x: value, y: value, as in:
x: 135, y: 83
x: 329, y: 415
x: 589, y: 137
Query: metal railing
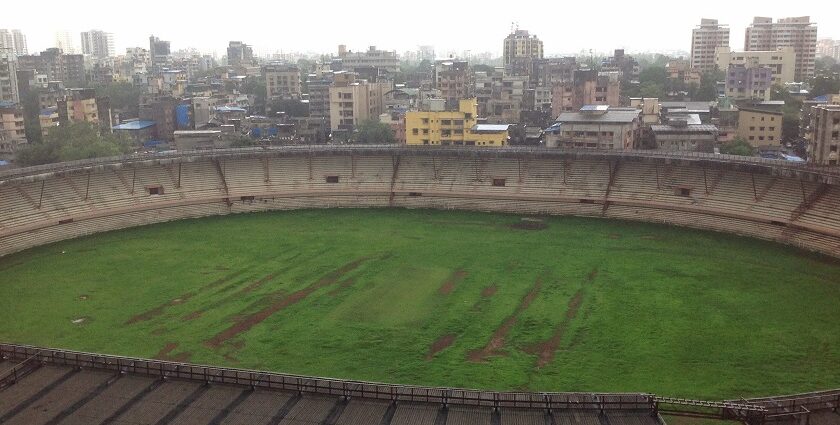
x: 328, y: 386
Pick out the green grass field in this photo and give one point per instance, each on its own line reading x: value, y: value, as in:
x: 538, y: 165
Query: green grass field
x: 442, y: 298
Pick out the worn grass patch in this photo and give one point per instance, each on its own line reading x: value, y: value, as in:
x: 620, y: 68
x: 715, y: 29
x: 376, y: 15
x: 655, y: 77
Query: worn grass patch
x: 409, y: 296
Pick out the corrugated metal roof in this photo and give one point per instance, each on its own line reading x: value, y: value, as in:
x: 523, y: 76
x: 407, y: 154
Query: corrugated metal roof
x: 491, y: 127
x: 134, y: 125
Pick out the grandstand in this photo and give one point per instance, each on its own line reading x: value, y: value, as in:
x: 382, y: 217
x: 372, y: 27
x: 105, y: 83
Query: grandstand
x: 774, y: 200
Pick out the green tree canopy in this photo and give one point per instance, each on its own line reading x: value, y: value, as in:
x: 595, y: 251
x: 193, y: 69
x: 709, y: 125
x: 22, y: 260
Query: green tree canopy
x: 71, y: 142
x: 373, y: 132
x: 738, y: 146
x: 123, y: 96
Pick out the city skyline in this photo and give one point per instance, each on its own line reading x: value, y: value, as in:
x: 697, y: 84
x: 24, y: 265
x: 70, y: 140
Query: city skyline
x: 634, y: 30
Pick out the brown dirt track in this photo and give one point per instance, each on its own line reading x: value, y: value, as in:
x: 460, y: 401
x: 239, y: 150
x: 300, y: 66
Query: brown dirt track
x: 497, y: 340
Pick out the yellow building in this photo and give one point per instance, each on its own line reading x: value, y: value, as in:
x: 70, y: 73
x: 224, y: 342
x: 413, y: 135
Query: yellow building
x: 444, y: 128
x: 760, y: 128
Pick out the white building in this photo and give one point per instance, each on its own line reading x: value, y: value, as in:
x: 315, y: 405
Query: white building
x: 98, y: 44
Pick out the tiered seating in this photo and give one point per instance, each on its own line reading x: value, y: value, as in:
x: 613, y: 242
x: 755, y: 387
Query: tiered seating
x: 761, y: 205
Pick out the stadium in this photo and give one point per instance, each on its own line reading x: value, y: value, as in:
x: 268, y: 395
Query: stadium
x: 59, y: 214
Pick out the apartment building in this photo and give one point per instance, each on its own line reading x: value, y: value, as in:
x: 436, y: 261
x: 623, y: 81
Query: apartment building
x: 799, y: 33
x: 12, y: 129
x: 825, y: 135
x: 159, y: 54
x: 745, y: 82
x: 354, y: 101
x: 9, y: 91
x: 519, y: 50
x: 759, y: 127
x: 705, y: 38
x: 501, y: 97
x: 588, y: 88
x: 781, y: 62
x: 454, y: 79
x: 56, y: 65
x: 596, y: 127
x: 239, y: 54
x: 13, y: 40
x: 550, y: 71
x: 625, y: 65
x: 48, y: 118
x: 681, y: 70
x: 282, y: 81
x: 440, y: 127
x: 828, y: 48
x: 98, y: 44
x: 82, y: 105
x: 380, y: 60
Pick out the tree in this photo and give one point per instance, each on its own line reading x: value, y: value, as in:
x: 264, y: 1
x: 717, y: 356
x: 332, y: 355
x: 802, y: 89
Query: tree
x: 292, y: 107
x: 825, y: 85
x: 123, y: 96
x: 708, y: 86
x: 651, y: 89
x: 373, y: 132
x: 738, y: 146
x: 79, y: 140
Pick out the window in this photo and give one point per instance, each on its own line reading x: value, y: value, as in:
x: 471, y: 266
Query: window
x: 752, y: 137
x: 684, y: 192
x: 833, y: 148
x: 499, y: 182
x: 332, y: 179
x: 415, y: 131
x: 752, y: 128
x: 761, y: 128
x: 425, y: 120
x: 155, y: 190
x: 772, y: 128
x: 246, y: 198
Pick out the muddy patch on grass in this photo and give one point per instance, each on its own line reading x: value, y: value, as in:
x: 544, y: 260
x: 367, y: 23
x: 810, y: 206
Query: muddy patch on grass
x: 545, y: 350
x: 452, y: 281
x: 194, y: 315
x: 159, y: 331
x: 497, y: 340
x: 344, y: 284
x: 246, y: 322
x: 592, y: 275
x: 489, y: 291
x: 159, y: 310
x: 441, y: 344
x: 652, y: 238
x: 166, y: 353
x: 257, y: 284
x: 614, y: 236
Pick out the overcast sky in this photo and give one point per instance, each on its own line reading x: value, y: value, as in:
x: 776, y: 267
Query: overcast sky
x: 478, y: 26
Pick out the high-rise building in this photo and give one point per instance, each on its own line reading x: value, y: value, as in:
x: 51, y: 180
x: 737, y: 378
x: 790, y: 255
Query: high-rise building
x: 8, y: 77
x: 239, y: 54
x: 99, y: 44
x: 705, y: 38
x: 519, y: 51
x: 13, y: 40
x: 64, y: 41
x: 799, y: 33
x: 159, y: 54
